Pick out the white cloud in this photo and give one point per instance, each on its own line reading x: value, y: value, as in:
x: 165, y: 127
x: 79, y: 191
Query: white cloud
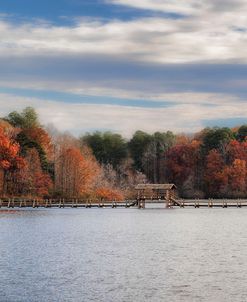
x: 79, y: 118
x: 208, y: 35
x: 168, y: 6
x: 189, y: 98
x: 39, y: 55
x: 191, y: 7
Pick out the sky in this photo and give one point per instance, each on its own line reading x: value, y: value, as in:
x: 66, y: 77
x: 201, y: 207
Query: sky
x: 124, y: 65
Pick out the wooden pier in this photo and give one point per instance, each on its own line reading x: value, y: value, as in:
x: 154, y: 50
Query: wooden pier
x: 140, y: 203
x: 196, y: 203
x: 63, y: 203
x: 211, y: 203
x: 167, y: 194
x: 193, y: 203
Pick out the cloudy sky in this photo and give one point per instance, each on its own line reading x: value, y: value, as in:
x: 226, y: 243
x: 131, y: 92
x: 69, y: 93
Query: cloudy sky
x: 124, y: 65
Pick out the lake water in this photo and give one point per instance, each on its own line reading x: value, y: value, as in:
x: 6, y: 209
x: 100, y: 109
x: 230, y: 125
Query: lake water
x: 123, y: 255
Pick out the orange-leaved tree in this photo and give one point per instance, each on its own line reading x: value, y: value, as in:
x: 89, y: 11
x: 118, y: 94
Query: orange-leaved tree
x: 10, y: 160
x: 216, y: 174
x: 238, y: 178
x: 33, y: 181
x: 237, y: 150
x: 181, y: 161
x: 75, y: 173
x: 109, y: 194
x: 41, y: 137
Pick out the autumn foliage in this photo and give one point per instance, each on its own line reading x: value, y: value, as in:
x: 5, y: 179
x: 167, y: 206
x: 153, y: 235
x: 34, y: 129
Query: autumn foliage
x: 36, y: 162
x: 9, y: 153
x: 109, y: 194
x: 75, y: 173
x: 216, y: 172
x: 32, y: 180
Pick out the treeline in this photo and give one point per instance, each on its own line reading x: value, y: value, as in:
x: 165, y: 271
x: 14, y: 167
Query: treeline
x: 41, y: 162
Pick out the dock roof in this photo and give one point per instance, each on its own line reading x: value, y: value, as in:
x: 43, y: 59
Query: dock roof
x: 155, y: 187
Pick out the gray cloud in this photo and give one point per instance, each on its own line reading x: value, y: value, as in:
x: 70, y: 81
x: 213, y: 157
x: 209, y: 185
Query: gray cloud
x: 120, y: 77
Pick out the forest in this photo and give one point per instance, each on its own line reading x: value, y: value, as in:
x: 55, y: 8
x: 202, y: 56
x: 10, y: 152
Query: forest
x: 38, y: 161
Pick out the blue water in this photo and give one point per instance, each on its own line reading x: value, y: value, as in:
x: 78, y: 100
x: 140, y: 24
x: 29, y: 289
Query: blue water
x: 123, y: 255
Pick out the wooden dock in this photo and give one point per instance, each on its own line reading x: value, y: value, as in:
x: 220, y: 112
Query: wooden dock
x: 197, y: 203
x: 211, y: 203
x: 63, y: 203
x: 139, y: 203
x: 167, y: 194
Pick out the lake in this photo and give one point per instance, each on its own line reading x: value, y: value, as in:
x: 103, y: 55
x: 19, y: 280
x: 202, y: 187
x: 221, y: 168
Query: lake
x: 123, y: 255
